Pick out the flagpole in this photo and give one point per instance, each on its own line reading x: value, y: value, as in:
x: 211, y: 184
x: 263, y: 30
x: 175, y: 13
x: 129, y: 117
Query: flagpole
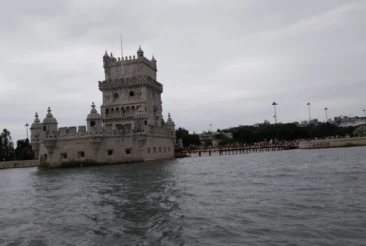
x: 123, y: 72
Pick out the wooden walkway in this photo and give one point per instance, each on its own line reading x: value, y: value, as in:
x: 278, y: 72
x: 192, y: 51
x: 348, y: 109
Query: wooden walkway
x: 233, y: 150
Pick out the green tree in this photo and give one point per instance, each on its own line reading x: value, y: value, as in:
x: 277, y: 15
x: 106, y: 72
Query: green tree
x: 6, y: 146
x: 188, y: 139
x: 24, y: 150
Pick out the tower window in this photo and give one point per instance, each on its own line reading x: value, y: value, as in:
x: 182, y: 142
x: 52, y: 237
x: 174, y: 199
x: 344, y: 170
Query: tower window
x: 116, y: 95
x: 110, y: 152
x: 145, y: 122
x: 128, y: 151
x: 63, y: 156
x: 81, y: 154
x: 132, y: 93
x: 92, y: 123
x: 44, y: 128
x: 107, y: 111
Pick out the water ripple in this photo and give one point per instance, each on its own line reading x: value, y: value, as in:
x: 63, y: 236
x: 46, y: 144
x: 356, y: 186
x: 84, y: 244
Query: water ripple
x: 278, y: 198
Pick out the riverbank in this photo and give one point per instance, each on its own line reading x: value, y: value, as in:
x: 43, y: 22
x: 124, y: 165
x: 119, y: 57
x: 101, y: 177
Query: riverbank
x: 332, y: 143
x: 18, y: 164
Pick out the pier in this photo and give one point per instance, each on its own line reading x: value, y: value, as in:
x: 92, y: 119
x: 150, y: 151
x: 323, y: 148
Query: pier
x: 233, y: 150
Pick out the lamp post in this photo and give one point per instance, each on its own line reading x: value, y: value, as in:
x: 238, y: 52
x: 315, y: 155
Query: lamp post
x: 309, y: 112
x: 26, y: 127
x: 364, y: 114
x: 211, y: 128
x: 326, y: 114
x: 275, y: 113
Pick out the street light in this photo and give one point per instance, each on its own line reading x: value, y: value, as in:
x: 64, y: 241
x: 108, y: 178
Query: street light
x: 26, y: 126
x: 326, y: 114
x: 364, y: 113
x: 275, y: 113
x: 309, y: 112
x: 211, y: 128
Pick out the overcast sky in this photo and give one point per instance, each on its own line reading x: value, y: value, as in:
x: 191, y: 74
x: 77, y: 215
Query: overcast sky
x: 221, y: 62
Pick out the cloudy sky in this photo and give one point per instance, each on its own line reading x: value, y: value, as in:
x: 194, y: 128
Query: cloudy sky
x: 221, y: 62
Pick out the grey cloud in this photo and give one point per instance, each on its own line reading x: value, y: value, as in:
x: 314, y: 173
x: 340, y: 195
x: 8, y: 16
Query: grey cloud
x: 221, y: 63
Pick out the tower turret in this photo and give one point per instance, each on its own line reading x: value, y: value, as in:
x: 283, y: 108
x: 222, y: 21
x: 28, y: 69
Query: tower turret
x: 94, y: 121
x: 170, y: 123
x: 49, y: 124
x: 36, y: 130
x: 106, y: 59
x: 49, y: 127
x: 140, y: 52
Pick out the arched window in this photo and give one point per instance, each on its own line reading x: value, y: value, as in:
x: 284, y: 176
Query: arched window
x: 107, y: 111
x: 115, y: 96
x: 92, y: 123
x: 133, y: 110
x: 132, y: 93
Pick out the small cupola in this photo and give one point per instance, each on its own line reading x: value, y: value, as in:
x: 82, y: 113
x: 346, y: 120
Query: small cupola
x: 37, y: 123
x: 169, y: 121
x: 94, y: 115
x: 140, y: 52
x: 153, y: 59
x: 49, y: 118
x: 106, y: 54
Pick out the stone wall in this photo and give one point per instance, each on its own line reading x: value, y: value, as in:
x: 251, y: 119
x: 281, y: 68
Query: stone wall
x: 18, y: 164
x: 333, y: 143
x: 112, y: 149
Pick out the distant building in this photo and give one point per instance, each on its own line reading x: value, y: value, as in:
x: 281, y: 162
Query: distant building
x: 314, y: 121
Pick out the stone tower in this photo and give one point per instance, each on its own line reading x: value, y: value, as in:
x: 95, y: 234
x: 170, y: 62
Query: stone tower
x: 130, y: 86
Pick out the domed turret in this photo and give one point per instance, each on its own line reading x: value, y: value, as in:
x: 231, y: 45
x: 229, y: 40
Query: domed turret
x: 94, y: 121
x: 94, y: 115
x: 106, y: 54
x: 50, y: 129
x: 49, y: 118
x: 169, y: 122
x: 140, y: 52
x: 36, y: 130
x: 36, y: 124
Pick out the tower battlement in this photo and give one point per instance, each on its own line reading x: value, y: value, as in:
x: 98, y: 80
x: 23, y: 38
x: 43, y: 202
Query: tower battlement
x: 117, y: 68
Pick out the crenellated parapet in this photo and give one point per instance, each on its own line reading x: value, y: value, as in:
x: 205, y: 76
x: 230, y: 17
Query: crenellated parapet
x: 128, y: 60
x: 129, y: 66
x: 71, y: 131
x: 159, y: 130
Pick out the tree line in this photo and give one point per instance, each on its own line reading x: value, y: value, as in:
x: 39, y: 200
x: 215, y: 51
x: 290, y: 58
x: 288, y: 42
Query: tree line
x: 249, y: 134
x: 23, y: 150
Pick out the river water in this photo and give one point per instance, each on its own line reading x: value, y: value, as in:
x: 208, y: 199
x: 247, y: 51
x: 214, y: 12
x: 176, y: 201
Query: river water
x: 298, y: 197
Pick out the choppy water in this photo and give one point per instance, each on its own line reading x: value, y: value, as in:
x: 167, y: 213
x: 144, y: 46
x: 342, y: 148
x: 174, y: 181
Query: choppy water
x: 301, y: 197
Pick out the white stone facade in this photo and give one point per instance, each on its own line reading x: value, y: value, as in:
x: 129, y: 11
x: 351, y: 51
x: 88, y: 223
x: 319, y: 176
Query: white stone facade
x: 130, y: 127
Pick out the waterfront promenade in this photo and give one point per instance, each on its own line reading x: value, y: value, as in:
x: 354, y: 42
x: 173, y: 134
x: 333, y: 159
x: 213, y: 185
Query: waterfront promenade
x: 235, y: 149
